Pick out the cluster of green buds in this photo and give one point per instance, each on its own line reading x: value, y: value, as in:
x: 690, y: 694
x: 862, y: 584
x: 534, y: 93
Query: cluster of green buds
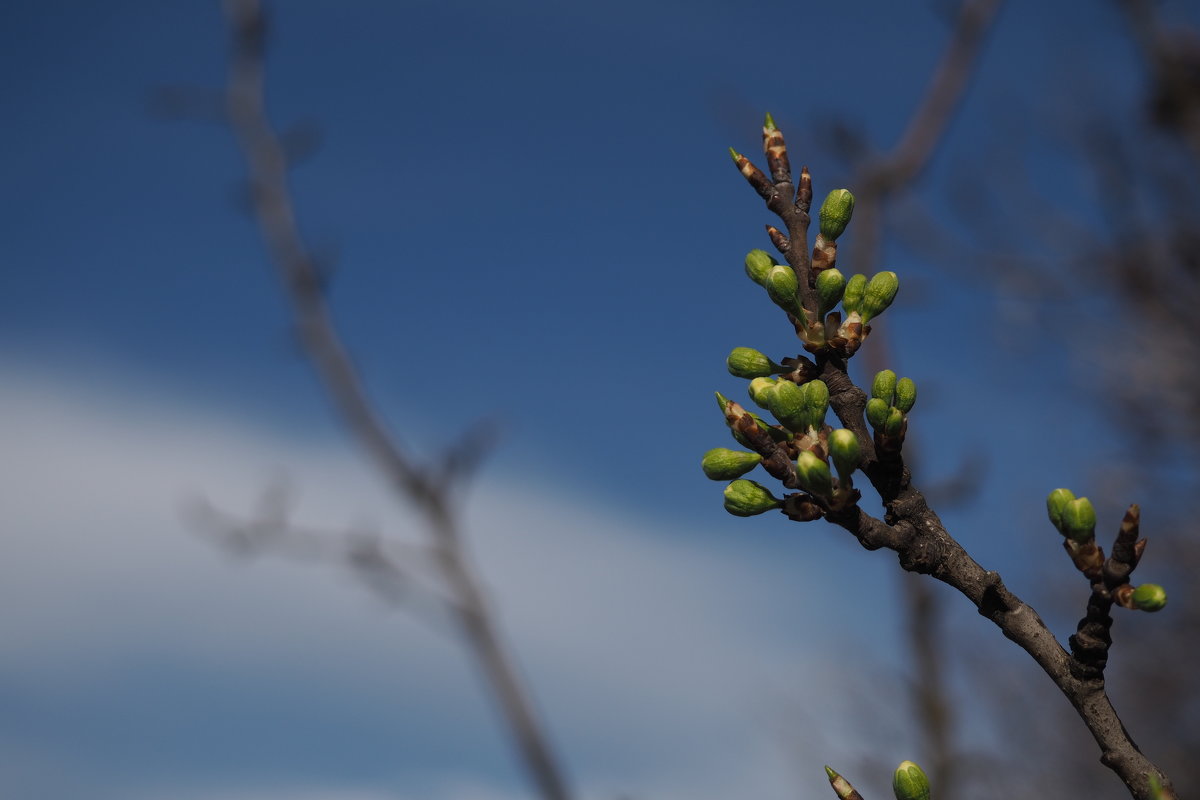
x: 1075, y: 519
x: 909, y: 782
x: 887, y: 410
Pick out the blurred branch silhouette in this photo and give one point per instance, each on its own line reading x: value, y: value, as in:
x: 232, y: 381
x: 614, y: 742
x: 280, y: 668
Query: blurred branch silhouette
x: 428, y: 489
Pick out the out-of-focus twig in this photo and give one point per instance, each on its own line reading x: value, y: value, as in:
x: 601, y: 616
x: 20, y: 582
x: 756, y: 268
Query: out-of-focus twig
x: 427, y: 491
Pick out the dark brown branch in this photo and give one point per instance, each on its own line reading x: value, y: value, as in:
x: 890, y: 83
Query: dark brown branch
x: 267, y: 164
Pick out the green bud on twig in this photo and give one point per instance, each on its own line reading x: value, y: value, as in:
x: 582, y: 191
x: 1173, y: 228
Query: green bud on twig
x: 745, y: 498
x: 906, y: 394
x: 787, y: 402
x: 835, y: 213
x: 852, y: 297
x: 760, y: 389
x: 910, y: 782
x: 895, y: 422
x: 1056, y: 504
x: 884, y: 386
x: 816, y: 403
x: 721, y: 464
x: 1079, y: 520
x: 877, y: 413
x: 843, y: 446
x: 1149, y: 597
x: 758, y: 264
x: 746, y: 362
x: 830, y: 284
x: 814, y: 475
x: 879, y: 294
x: 841, y: 786
x: 781, y: 285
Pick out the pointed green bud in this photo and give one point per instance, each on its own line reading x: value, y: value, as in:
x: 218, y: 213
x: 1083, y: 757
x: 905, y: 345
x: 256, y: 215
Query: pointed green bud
x: 814, y: 474
x: 884, y: 386
x: 1150, y: 597
x: 781, y: 285
x: 895, y: 422
x: 786, y: 402
x: 841, y: 786
x: 746, y: 362
x: 880, y: 292
x: 760, y: 389
x: 843, y: 446
x: 769, y: 122
x: 910, y: 782
x: 830, y: 285
x: 721, y: 464
x: 735, y: 155
x: 835, y: 213
x: 906, y: 394
x: 1079, y: 520
x: 816, y: 403
x: 758, y: 264
x: 745, y: 498
x: 1056, y: 504
x: 852, y: 297
x: 722, y: 401
x: 877, y: 413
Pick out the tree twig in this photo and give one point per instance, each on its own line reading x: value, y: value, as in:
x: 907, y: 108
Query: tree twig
x: 267, y: 164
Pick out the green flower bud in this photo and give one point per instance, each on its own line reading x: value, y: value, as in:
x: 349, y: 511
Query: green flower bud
x: 758, y: 264
x: 852, y: 297
x: 786, y: 402
x: 906, y: 394
x: 843, y: 446
x: 1150, y: 597
x: 1056, y: 504
x: 760, y: 389
x: 781, y: 285
x: 884, y: 386
x: 877, y: 413
x: 814, y: 474
x: 910, y: 782
x: 745, y: 498
x: 836, y: 212
x: 816, y: 403
x: 895, y: 422
x: 830, y: 285
x: 721, y: 464
x: 1079, y: 520
x: 880, y: 293
x: 746, y: 362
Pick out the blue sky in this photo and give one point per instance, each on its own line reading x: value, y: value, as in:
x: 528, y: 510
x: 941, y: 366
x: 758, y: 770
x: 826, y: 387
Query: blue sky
x: 533, y: 218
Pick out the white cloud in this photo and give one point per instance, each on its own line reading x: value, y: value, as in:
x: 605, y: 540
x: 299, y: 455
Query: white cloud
x: 636, y: 641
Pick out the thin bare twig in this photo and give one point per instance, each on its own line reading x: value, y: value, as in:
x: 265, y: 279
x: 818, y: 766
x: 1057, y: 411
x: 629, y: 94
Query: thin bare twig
x: 267, y: 163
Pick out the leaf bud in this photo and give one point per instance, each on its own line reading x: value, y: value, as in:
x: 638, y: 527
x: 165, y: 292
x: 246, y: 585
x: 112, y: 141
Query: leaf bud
x: 722, y: 464
x: 877, y: 413
x: 760, y: 389
x: 879, y: 294
x: 884, y: 386
x: 852, y: 297
x: 787, y: 402
x: 830, y: 284
x: 1079, y: 520
x: 895, y: 422
x: 746, y: 362
x: 816, y: 403
x: 835, y: 213
x: 745, y: 498
x: 1056, y: 504
x: 1149, y: 597
x: 910, y: 782
x: 814, y: 475
x: 781, y: 285
x: 843, y: 446
x: 906, y: 394
x: 758, y: 264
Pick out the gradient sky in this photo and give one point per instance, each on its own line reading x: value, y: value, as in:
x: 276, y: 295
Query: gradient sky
x: 532, y: 217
